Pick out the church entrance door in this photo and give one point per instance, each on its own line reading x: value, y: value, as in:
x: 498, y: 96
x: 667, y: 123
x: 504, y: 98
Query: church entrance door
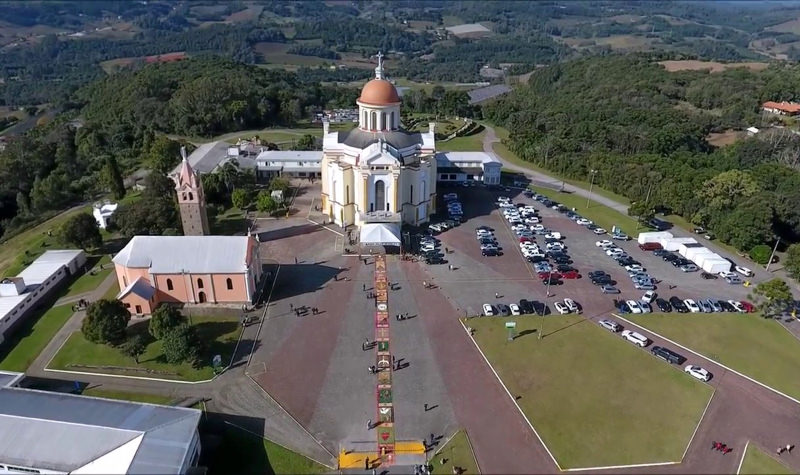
x: 202, y: 297
x: 380, y: 195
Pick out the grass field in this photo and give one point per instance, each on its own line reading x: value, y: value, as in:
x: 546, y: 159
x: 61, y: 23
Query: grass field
x: 757, y: 347
x: 112, y: 292
x: 757, y: 461
x: 12, y: 251
x: 30, y: 339
x: 590, y: 395
x: 219, y: 334
x: 88, y: 282
x: 127, y: 396
x: 469, y: 143
x: 244, y: 453
x: 602, y: 216
x: 457, y: 453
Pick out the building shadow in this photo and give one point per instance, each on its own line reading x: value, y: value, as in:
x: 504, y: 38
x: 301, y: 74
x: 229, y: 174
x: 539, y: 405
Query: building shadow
x: 234, y: 444
x: 298, y: 279
x: 288, y: 232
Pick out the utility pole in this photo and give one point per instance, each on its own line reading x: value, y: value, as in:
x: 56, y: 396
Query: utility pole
x: 593, y: 172
x: 649, y: 189
x: 771, y: 256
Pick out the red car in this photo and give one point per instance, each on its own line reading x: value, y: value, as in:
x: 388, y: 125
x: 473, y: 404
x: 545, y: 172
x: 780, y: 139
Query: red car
x: 524, y: 239
x: 572, y: 274
x: 748, y: 306
x: 552, y: 275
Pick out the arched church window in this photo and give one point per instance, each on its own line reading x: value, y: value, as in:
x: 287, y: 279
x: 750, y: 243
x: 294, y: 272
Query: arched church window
x: 191, y: 197
x: 380, y: 195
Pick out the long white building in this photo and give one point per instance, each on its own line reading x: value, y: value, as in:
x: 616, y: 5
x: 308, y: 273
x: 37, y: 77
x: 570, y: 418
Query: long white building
x: 20, y: 295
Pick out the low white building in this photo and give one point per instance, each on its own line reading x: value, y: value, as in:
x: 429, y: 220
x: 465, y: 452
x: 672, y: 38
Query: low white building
x: 292, y: 163
x: 59, y: 433
x: 103, y: 212
x: 20, y: 295
x: 468, y: 166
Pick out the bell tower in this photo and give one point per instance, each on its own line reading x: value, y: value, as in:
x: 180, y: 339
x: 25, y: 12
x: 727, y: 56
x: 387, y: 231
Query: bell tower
x: 191, y: 200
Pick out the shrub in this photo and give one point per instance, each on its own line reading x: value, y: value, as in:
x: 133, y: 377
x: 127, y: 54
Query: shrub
x: 760, y: 254
x: 105, y: 322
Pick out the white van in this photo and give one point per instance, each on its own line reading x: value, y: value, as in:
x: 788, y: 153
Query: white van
x: 635, y: 338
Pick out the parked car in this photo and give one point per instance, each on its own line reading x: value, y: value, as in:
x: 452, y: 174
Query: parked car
x: 634, y: 306
x: 644, y: 286
x: 540, y: 308
x: 667, y: 355
x: 698, y: 372
x: 571, y: 305
x: 599, y: 231
x: 678, y: 305
x: 503, y: 309
x: 597, y: 273
x: 635, y: 338
x: 663, y: 305
x: 570, y: 274
x: 605, y: 243
x: 744, y: 271
x: 733, y: 279
x: 705, y: 306
x: 490, y: 252
x: 561, y: 308
x: 692, y: 306
x: 689, y: 268
x: 750, y: 308
x: 515, y: 309
x: 650, y: 246
x: 649, y: 296
x: 610, y: 325
x: 609, y: 289
x: 707, y: 275
x: 488, y: 310
x: 738, y: 306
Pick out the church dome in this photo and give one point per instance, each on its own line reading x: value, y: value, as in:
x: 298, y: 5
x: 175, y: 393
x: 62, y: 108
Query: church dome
x: 379, y: 92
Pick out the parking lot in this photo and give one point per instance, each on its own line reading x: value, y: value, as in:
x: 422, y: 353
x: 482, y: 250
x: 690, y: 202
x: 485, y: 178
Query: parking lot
x: 513, y: 278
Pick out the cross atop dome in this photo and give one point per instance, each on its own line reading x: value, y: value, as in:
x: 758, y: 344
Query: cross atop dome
x: 379, y: 69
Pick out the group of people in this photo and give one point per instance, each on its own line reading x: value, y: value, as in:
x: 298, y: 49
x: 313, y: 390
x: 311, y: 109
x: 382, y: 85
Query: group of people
x: 787, y: 449
x: 719, y: 446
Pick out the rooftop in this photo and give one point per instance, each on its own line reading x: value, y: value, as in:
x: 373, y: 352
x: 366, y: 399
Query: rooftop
x: 449, y: 159
x: 208, y: 156
x: 783, y: 106
x: 66, y: 432
x: 190, y: 254
x: 399, y: 139
x: 47, y: 264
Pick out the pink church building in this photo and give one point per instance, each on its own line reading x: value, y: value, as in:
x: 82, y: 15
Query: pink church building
x: 188, y: 270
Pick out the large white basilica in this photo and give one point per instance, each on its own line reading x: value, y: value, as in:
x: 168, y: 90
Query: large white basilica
x: 378, y: 173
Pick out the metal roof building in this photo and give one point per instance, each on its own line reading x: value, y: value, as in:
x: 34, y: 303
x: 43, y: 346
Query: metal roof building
x: 65, y: 433
x: 190, y: 254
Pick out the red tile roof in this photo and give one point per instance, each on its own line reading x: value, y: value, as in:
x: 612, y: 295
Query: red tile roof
x: 790, y: 107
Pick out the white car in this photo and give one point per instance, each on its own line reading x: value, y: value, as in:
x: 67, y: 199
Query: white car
x: 514, y: 309
x: 738, y: 306
x: 531, y: 220
x: 635, y: 268
x: 744, y: 271
x: 614, y: 251
x: 727, y: 275
x: 537, y: 227
x: 584, y: 221
x: 635, y: 338
x: 561, y: 308
x: 610, y: 325
x: 599, y: 231
x: 572, y: 306
x: 488, y: 310
x: 605, y: 243
x: 555, y: 246
x: 427, y: 247
x: 649, y: 296
x: 692, y: 306
x: 645, y: 306
x: 553, y: 235
x: 483, y: 232
x: 698, y: 372
x: 634, y: 306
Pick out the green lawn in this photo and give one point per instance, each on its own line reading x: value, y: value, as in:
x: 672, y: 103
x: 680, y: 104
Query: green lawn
x: 30, y: 339
x: 88, y: 282
x: 244, y: 453
x: 594, y: 399
x: 757, y: 347
x: 457, y: 453
x: 229, y: 222
x: 219, y: 333
x: 112, y: 291
x: 469, y: 143
x: 127, y: 396
x: 757, y: 461
x: 602, y: 216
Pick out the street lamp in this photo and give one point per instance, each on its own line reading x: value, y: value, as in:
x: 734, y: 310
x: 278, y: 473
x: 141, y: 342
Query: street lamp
x: 772, y: 256
x: 592, y: 172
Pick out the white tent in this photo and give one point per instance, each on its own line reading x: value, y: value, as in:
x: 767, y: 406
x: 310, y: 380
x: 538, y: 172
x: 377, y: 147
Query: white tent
x: 380, y: 234
x: 693, y: 253
x: 673, y: 244
x: 715, y: 266
x: 653, y: 236
x: 683, y: 248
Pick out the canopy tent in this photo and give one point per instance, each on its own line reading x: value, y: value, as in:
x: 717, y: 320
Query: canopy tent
x: 380, y: 234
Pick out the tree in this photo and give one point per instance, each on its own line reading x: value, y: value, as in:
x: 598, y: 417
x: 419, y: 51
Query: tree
x: 163, y: 155
x: 727, y: 189
x: 760, y: 254
x: 164, y: 319
x: 792, y: 261
x: 114, y: 177
x: 280, y: 184
x: 81, y: 230
x: 265, y: 202
x: 306, y: 142
x: 641, y: 210
x: 182, y: 344
x: 241, y: 198
x: 773, y: 296
x: 105, y: 322
x: 134, y: 347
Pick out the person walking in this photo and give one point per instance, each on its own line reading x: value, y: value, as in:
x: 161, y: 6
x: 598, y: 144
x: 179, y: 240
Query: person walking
x: 789, y: 448
x: 425, y: 283
x: 369, y: 424
x: 780, y: 450
x: 497, y: 295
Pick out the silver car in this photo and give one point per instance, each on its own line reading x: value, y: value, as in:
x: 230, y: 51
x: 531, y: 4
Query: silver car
x: 610, y: 325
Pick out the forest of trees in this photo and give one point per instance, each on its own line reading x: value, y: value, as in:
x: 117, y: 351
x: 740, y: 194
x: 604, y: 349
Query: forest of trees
x: 643, y: 129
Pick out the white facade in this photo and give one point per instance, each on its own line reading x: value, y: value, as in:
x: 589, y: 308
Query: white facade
x: 102, y: 213
x: 20, y: 294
